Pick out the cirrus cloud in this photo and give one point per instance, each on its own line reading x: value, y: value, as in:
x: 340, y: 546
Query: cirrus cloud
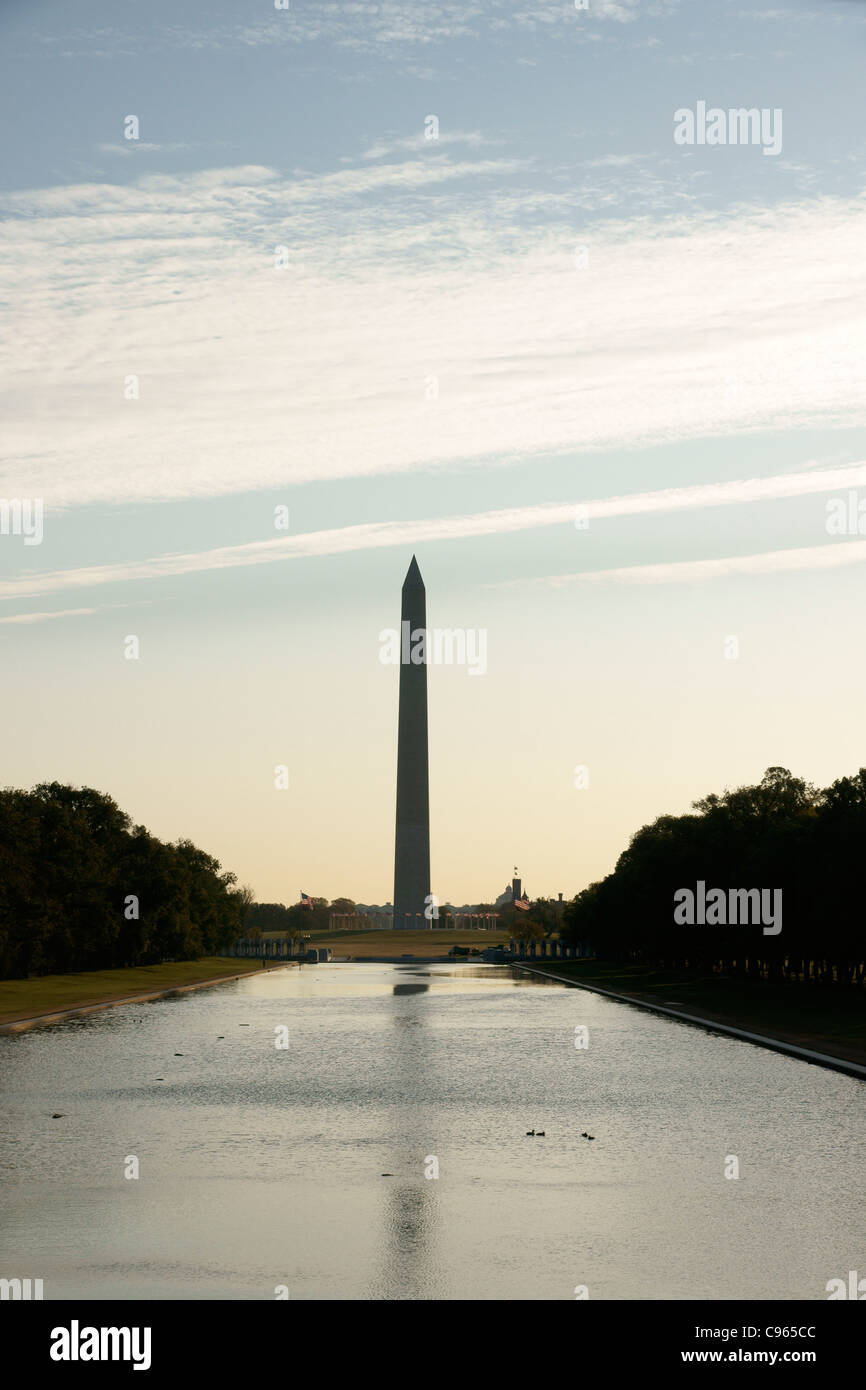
x: 422, y: 320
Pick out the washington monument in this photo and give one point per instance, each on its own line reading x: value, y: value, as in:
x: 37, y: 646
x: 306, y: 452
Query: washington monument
x: 412, y: 851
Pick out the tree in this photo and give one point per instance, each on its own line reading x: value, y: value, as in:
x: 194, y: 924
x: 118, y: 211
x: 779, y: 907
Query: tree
x: 81, y: 888
x: 529, y: 928
x: 782, y: 834
x: 245, y: 898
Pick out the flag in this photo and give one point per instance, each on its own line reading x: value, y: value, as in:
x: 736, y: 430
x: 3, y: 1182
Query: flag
x: 522, y: 903
x: 306, y: 902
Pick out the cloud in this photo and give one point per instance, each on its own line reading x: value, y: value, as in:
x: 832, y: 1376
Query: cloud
x: 788, y: 16
x: 432, y: 313
x: 420, y: 142
x: 508, y: 520
x: 384, y: 28
x: 816, y: 557
x: 612, y: 161
x: 47, y: 617
x: 129, y: 147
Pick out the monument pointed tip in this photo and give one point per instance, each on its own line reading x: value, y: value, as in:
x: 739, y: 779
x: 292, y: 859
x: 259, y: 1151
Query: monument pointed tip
x: 413, y: 576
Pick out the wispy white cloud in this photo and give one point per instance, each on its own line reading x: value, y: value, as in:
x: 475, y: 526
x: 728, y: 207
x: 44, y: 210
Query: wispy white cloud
x: 387, y: 28
x: 44, y: 617
x: 420, y: 141
x: 425, y: 318
x: 26, y: 618
x: 550, y: 13
x: 612, y: 161
x: 129, y: 147
x: 504, y: 521
x: 793, y: 15
x: 817, y: 557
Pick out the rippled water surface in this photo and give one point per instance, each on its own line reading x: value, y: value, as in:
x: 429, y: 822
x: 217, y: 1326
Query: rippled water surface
x: 262, y: 1167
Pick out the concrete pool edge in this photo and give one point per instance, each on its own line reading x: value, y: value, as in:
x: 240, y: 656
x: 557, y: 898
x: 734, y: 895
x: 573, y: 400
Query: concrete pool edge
x: 803, y: 1054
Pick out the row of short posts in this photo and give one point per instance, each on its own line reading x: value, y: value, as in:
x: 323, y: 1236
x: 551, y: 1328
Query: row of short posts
x: 523, y: 950
x: 546, y: 950
x: 265, y: 950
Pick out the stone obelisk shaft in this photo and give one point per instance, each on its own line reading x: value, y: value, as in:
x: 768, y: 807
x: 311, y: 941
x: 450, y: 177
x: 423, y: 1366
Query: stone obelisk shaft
x: 412, y: 853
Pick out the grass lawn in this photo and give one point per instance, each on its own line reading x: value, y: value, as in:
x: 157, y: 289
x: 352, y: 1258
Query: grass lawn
x: 364, y: 944
x: 50, y: 993
x: 823, y: 1018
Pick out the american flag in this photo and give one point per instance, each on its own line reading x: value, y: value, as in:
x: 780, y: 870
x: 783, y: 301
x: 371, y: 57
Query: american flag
x: 522, y: 903
x: 306, y: 901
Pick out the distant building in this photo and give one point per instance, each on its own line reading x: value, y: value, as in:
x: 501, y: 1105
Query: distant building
x: 514, y: 895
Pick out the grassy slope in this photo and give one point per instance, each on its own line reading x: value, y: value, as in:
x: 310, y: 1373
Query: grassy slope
x: 363, y: 945
x: 827, y: 1020
x: 26, y: 998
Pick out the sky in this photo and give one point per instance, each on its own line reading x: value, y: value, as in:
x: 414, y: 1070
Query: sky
x: 290, y: 295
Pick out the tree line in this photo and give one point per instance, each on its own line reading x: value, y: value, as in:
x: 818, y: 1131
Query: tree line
x: 782, y: 834
x: 82, y: 888
x: 262, y: 918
